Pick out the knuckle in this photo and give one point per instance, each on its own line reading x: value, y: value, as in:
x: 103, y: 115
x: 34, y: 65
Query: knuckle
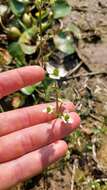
x: 27, y: 143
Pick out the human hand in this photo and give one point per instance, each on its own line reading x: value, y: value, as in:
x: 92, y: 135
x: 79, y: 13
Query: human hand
x: 29, y: 138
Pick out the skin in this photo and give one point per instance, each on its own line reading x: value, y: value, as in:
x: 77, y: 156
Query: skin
x: 29, y: 138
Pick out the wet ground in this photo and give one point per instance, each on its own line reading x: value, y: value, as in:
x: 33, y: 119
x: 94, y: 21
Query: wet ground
x: 85, y: 166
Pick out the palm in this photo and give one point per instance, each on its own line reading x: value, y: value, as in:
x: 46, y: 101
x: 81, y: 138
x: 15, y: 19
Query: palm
x: 28, y: 141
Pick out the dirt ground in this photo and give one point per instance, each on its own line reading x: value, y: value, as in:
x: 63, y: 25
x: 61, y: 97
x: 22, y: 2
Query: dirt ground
x: 85, y: 166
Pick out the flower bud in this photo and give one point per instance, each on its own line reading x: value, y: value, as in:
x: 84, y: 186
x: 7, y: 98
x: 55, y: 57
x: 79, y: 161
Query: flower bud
x: 45, y: 26
x: 27, y: 19
x: 5, y: 57
x: 14, y: 32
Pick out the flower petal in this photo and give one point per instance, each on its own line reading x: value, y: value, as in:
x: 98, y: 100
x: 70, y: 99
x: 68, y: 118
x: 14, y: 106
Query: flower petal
x: 54, y: 77
x: 62, y: 71
x: 49, y: 68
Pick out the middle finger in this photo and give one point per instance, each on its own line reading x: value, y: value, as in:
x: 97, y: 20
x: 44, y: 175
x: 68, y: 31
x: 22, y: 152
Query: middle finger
x: 25, y: 117
x: 26, y: 140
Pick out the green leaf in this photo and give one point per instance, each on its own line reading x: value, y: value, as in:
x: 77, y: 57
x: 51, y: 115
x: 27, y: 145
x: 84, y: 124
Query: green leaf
x: 28, y: 34
x: 16, y: 7
x: 17, y: 53
x: 75, y: 30
x: 64, y: 43
x: 61, y: 9
x: 28, y: 49
x: 28, y: 90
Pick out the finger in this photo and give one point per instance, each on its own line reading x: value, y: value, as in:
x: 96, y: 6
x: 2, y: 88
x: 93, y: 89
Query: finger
x: 13, y: 80
x: 25, y: 117
x: 21, y: 142
x: 31, y: 164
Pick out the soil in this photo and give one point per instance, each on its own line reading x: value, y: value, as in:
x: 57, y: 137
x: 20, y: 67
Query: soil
x: 86, y: 161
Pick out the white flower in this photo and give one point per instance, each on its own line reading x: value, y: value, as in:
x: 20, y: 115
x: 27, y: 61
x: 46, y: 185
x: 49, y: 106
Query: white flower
x: 66, y: 117
x: 56, y: 72
x: 49, y: 109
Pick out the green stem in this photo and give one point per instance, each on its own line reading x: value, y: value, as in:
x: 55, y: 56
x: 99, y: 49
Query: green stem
x: 22, y: 25
x: 40, y: 30
x: 1, y: 109
x: 57, y: 96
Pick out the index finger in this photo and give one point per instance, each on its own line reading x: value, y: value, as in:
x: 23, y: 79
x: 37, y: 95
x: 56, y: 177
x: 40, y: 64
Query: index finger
x: 13, y: 80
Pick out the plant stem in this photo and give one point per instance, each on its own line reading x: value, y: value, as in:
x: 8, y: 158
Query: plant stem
x: 40, y: 30
x: 57, y: 96
x: 1, y: 109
